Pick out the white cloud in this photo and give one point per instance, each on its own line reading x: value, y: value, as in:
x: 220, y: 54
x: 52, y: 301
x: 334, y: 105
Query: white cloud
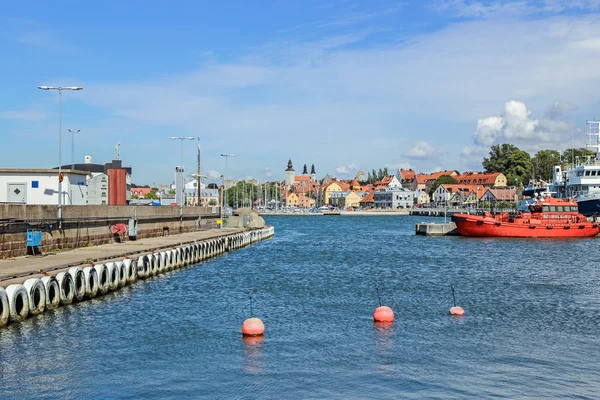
x: 347, y: 169
x: 396, y: 166
x: 212, y: 174
x: 481, y: 9
x: 421, y: 150
x: 518, y: 126
x: 346, y: 91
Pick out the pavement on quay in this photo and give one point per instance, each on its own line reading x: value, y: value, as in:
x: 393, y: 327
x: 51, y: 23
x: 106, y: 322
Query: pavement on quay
x: 19, y: 267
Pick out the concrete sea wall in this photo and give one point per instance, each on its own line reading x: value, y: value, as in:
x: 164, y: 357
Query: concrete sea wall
x: 91, y: 225
x: 34, y: 294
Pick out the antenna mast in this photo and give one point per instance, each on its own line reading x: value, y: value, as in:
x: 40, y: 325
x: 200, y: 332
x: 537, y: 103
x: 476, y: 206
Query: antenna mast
x: 118, y: 151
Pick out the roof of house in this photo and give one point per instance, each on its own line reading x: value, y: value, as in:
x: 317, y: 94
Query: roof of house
x: 422, y: 178
x: 407, y: 174
x: 503, y: 194
x: 457, y: 187
x: 369, y: 198
x: 477, y: 178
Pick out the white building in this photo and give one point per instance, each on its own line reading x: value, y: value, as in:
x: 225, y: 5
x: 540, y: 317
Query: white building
x: 40, y: 186
x: 98, y: 189
x: 394, y: 197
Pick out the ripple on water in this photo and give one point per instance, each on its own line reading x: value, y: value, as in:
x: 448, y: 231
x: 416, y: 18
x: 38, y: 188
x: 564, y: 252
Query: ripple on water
x: 530, y: 330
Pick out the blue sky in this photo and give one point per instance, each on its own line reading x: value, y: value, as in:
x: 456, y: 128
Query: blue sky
x: 346, y: 85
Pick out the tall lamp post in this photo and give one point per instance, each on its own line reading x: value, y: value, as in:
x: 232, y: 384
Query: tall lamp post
x: 60, y: 89
x: 181, y: 139
x: 199, y: 176
x: 73, y: 146
x: 225, y: 176
x: 222, y: 200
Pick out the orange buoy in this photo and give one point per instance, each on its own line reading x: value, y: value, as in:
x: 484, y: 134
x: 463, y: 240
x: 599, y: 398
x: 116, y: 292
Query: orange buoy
x: 457, y: 311
x: 253, y: 327
x: 383, y: 314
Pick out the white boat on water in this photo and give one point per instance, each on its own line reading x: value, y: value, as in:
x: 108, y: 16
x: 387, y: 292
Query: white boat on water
x: 581, y: 179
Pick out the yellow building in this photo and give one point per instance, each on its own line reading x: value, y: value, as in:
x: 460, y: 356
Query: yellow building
x: 332, y: 187
x: 423, y: 198
x: 291, y: 199
x: 353, y: 200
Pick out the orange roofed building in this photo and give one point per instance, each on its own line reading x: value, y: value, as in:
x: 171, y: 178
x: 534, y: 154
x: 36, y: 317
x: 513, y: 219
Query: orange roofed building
x: 493, y: 179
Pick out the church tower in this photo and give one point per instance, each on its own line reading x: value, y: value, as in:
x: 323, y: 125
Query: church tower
x: 313, y: 174
x: 304, y: 171
x: 290, y: 174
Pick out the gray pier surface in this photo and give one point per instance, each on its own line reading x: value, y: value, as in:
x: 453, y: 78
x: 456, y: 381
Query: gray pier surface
x: 433, y: 229
x: 25, y: 267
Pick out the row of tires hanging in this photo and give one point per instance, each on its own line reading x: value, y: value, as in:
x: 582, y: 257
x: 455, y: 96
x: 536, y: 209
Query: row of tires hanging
x: 36, y: 295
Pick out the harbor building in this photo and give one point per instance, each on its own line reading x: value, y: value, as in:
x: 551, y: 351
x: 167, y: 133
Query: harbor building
x: 40, y: 186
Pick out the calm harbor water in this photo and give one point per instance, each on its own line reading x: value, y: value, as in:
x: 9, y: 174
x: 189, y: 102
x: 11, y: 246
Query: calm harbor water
x: 531, y: 329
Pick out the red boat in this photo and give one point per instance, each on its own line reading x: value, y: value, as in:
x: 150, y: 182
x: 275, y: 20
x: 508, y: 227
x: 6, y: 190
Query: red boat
x: 544, y: 218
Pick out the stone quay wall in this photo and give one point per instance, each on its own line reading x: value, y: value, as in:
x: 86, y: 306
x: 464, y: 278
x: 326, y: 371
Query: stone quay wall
x: 93, y: 225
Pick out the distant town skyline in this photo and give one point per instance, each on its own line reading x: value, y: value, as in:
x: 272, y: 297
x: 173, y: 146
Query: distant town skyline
x: 346, y: 86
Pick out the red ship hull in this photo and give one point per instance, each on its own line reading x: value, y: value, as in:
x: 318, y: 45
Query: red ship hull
x: 500, y: 226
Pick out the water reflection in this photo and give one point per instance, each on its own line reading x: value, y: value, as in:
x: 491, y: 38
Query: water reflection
x: 253, y: 354
x: 385, y: 347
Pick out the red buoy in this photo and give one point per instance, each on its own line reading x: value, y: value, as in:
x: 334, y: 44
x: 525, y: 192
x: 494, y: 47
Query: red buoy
x: 383, y: 314
x: 457, y: 311
x: 253, y: 327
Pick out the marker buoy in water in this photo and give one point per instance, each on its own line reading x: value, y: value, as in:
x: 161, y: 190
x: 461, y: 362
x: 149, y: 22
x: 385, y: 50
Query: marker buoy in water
x: 253, y: 326
x: 382, y: 313
x: 455, y: 310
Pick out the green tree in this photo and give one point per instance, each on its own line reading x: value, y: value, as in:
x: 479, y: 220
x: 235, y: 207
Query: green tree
x: 380, y: 174
x: 385, y: 172
x: 442, y: 180
x: 369, y: 178
x: 571, y: 155
x: 172, y: 192
x: 374, y: 176
x: 151, y: 195
x: 543, y: 164
x: 513, y: 162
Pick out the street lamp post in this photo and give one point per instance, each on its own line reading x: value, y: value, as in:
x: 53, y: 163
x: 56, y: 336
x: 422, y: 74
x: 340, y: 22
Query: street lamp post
x: 225, y: 175
x: 73, y: 146
x: 181, y: 139
x: 60, y: 89
x: 199, y: 182
x: 222, y: 200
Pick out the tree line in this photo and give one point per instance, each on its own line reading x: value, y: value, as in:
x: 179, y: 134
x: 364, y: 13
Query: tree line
x: 519, y: 167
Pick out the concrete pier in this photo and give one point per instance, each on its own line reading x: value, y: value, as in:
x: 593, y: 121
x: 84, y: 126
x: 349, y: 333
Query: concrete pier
x: 29, y: 265
x: 433, y: 229
x: 33, y: 284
